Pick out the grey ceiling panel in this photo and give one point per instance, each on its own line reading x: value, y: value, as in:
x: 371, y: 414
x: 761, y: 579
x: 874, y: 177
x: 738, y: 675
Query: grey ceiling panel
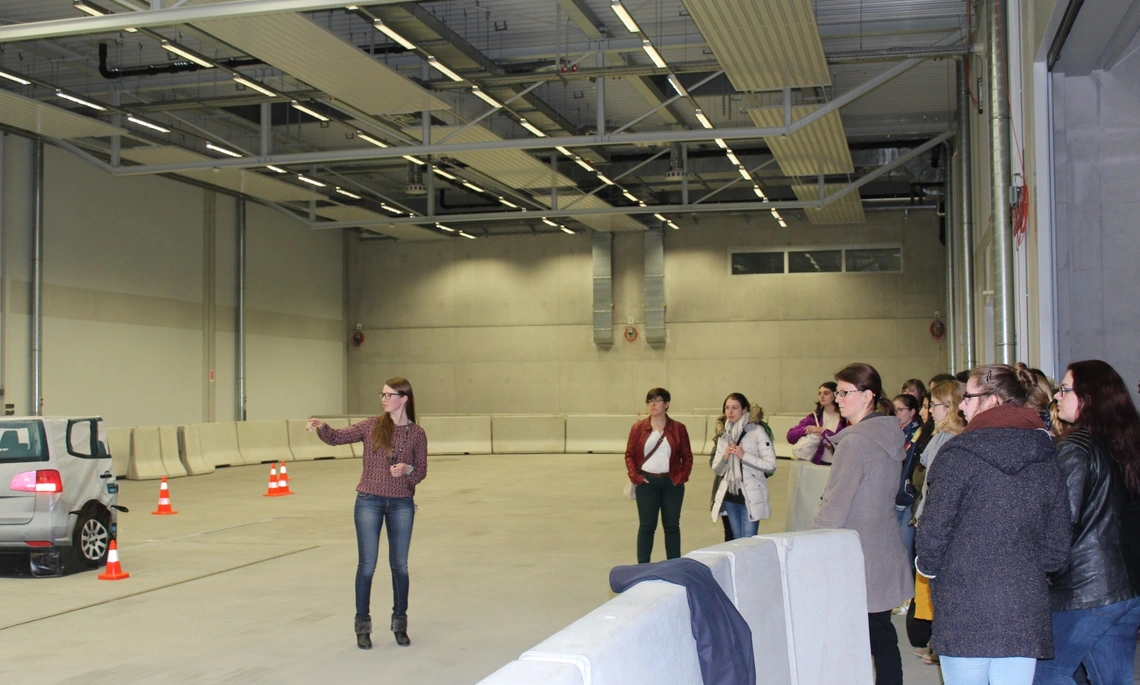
x: 846, y: 210
x: 35, y: 116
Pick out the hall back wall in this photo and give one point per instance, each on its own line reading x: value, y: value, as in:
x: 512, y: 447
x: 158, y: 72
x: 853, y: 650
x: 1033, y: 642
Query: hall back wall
x: 503, y: 325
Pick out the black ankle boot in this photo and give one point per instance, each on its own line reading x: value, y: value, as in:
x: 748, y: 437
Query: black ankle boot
x: 400, y: 630
x: 364, y: 632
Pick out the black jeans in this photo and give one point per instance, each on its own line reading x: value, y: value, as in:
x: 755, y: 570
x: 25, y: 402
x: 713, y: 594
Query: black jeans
x: 659, y: 495
x: 885, y: 649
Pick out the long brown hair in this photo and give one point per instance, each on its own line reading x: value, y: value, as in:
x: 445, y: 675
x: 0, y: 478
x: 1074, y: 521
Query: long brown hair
x: 382, y: 432
x: 1109, y: 415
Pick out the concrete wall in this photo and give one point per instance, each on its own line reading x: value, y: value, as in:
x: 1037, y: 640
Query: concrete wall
x: 130, y: 331
x: 1096, y: 127
x: 503, y: 325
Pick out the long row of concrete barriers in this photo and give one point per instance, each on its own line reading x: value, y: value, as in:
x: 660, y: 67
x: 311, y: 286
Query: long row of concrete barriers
x: 151, y: 452
x: 802, y: 594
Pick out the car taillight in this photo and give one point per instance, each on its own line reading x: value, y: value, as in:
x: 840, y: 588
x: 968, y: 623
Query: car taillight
x: 46, y: 480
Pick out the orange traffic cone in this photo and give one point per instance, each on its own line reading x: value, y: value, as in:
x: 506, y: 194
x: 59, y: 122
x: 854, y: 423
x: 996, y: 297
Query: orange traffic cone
x: 164, y: 508
x: 283, y: 481
x: 114, y: 571
x: 272, y: 491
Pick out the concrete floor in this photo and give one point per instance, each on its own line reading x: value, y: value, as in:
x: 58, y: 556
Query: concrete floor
x: 242, y: 589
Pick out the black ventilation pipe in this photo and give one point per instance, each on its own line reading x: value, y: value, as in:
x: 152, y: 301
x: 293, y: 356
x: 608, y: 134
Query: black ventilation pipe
x: 170, y: 68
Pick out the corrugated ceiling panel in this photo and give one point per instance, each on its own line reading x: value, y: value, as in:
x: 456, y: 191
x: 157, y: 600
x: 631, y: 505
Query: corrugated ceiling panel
x: 763, y: 44
x: 818, y: 148
x: 605, y: 222
x: 308, y: 52
x: 37, y: 117
x: 846, y: 210
x: 248, y: 182
x: 401, y: 231
x: 513, y: 168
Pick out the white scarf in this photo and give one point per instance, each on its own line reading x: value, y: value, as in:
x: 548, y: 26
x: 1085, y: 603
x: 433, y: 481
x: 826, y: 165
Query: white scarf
x: 732, y: 475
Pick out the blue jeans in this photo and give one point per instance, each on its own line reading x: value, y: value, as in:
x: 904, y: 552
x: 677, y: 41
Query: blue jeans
x: 369, y: 514
x: 737, y: 515
x: 1103, y: 639
x: 1014, y: 670
x: 906, y: 532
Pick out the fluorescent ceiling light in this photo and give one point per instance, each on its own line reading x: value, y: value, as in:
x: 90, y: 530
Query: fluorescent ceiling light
x: 183, y: 52
x: 441, y: 172
x: 659, y: 217
x: 603, y: 179
x: 584, y: 164
x: 563, y: 150
x: 703, y: 119
x: 382, y: 28
x: 443, y: 69
x: 775, y: 215
x: 676, y: 83
x: 625, y: 16
x: 467, y: 235
x: 641, y: 203
x: 744, y: 173
x: 630, y: 196
x: 532, y: 128
x: 390, y: 209
x: 472, y: 186
x: 759, y: 193
x: 13, y: 77
x: 721, y: 144
x: 311, y: 181
x: 413, y: 160
x: 653, y: 54
x: 80, y: 101
x: 449, y: 229
x: 253, y: 85
x: 89, y: 8
x: 548, y: 222
x: 344, y: 192
x: 215, y: 148
x: 311, y: 112
x: 566, y: 230
x: 147, y: 124
x: 782, y: 224
x: 508, y: 203
x: 478, y: 92
x: 672, y: 225
x: 732, y: 158
x: 276, y: 169
x: 369, y: 139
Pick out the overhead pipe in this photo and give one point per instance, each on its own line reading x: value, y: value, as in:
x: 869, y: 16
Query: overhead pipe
x: 966, y: 218
x: 1005, y: 332
x: 178, y: 67
x: 37, y: 277
x: 241, y: 395
x: 949, y: 232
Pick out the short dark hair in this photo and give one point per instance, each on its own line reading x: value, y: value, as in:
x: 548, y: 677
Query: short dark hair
x: 658, y: 393
x: 962, y: 376
x: 862, y: 376
x: 909, y: 400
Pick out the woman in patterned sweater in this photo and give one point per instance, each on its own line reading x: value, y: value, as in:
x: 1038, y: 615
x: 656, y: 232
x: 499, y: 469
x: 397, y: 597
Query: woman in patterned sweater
x: 395, y: 461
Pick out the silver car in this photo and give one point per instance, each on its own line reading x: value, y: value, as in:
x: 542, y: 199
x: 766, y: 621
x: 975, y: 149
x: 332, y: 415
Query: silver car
x: 58, y: 495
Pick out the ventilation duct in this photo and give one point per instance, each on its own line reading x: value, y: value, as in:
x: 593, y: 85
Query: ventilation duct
x: 602, y: 255
x: 655, y: 287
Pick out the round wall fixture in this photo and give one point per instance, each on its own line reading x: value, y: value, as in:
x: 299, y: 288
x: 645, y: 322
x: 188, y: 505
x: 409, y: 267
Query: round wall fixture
x: 357, y: 338
x: 630, y: 333
x: 937, y: 329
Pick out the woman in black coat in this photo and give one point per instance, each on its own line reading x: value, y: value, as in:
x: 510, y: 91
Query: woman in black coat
x: 994, y: 524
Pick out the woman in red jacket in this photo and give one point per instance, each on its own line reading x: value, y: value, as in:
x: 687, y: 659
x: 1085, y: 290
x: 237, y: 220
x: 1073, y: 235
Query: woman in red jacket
x: 659, y: 459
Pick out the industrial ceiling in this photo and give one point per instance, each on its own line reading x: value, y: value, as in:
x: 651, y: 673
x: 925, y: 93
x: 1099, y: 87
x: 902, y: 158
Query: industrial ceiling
x: 467, y: 119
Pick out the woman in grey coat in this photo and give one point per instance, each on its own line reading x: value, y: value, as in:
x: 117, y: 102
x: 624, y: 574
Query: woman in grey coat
x: 860, y: 496
x: 996, y: 522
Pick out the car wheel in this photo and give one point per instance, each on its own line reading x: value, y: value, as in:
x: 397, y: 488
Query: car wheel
x: 91, y: 539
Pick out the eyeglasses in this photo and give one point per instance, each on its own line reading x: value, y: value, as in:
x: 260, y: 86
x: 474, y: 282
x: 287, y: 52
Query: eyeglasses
x: 844, y: 393
x: 1063, y: 390
x: 972, y: 395
x: 390, y: 395
x: 937, y: 404
x: 655, y: 400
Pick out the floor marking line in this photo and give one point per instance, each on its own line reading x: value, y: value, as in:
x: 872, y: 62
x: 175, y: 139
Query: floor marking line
x: 205, y: 532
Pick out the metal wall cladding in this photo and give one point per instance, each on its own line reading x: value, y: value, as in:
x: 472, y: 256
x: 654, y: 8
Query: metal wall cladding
x: 252, y: 183
x: 512, y: 168
x: 818, y: 148
x: 846, y: 210
x: 602, y: 222
x: 308, y: 52
x: 31, y: 115
x: 763, y: 44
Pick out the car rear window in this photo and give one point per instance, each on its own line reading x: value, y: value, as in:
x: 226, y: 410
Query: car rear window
x: 22, y: 441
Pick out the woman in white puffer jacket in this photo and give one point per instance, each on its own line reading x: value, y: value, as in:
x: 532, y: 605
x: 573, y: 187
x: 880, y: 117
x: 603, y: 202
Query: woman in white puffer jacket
x: 743, y: 461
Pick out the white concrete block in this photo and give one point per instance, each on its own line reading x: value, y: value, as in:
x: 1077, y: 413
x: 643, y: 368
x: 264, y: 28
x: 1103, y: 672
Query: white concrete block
x: 597, y: 433
x: 263, y: 442
x: 457, y: 434
x: 534, y: 434
x: 146, y: 454
x: 805, y: 490
x: 306, y: 446
x: 536, y: 673
x: 171, y: 451
x: 119, y: 442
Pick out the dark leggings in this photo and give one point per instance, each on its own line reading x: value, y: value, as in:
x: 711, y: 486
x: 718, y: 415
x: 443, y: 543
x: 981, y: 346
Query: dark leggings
x: 659, y: 497
x: 885, y: 649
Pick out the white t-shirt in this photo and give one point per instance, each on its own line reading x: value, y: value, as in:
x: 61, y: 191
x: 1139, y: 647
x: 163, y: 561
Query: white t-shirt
x: 659, y: 462
x: 831, y: 421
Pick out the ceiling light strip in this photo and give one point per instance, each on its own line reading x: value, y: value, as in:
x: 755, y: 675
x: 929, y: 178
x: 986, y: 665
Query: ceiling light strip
x: 80, y: 101
x: 17, y: 79
x: 444, y: 69
x: 253, y: 85
x: 625, y: 17
x: 224, y: 151
x: 147, y: 124
x: 369, y: 139
x: 311, y: 181
x: 388, y: 31
x: 183, y: 52
x: 311, y: 112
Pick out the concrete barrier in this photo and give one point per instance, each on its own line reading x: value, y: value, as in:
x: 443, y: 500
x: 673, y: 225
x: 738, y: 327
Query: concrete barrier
x: 119, y: 442
x: 263, y: 442
x: 534, y: 434
x: 146, y: 454
x: 825, y: 590
x: 597, y: 433
x: 457, y: 434
x: 306, y: 446
x: 536, y: 673
x: 642, y: 636
x: 806, y: 482
x: 780, y: 424
x: 171, y: 444
x: 191, y: 450
x: 708, y: 443
x: 219, y: 444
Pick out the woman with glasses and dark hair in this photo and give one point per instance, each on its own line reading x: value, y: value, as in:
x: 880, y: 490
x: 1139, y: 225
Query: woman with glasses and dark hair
x: 825, y: 422
x: 744, y: 459
x: 994, y: 524
x: 1096, y: 596
x: 395, y: 461
x: 658, y: 459
x: 860, y: 496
